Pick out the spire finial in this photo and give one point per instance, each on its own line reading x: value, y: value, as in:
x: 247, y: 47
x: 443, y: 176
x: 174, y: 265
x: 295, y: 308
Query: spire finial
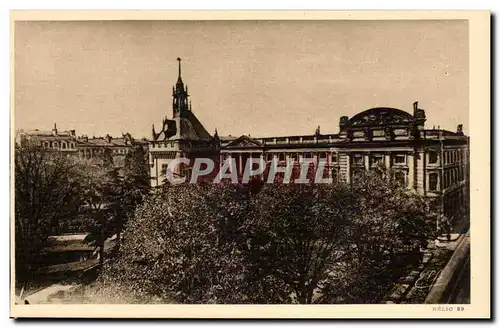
x: 179, y: 60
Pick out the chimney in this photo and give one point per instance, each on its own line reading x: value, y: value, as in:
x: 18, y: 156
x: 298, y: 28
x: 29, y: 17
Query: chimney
x: 415, y: 109
x: 343, y: 123
x: 108, y: 138
x: 54, y: 130
x: 460, y: 130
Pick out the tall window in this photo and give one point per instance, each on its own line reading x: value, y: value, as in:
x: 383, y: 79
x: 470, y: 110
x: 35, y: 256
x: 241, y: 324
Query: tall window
x: 376, y: 160
x: 281, y: 157
x: 433, y: 157
x: 323, y: 156
x: 433, y: 182
x: 55, y: 144
x: 335, y: 175
x: 63, y: 145
x: 400, y: 177
x: 334, y: 158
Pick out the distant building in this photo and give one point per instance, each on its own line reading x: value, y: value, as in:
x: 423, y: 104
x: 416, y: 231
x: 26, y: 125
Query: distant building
x: 118, y: 148
x: 83, y: 147
x: 64, y: 141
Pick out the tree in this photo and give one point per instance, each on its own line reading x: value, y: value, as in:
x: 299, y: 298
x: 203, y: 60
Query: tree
x: 46, y: 192
x: 272, y: 243
x: 389, y: 225
x: 136, y: 184
x: 179, y: 246
x: 297, y: 233
x: 100, y: 188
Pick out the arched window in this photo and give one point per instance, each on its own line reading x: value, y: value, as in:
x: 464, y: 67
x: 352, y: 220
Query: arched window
x: 433, y: 181
x: 72, y: 145
x: 55, y: 144
x: 46, y: 144
x: 63, y: 144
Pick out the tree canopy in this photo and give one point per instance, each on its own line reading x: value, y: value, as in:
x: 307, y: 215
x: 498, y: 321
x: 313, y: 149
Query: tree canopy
x: 278, y: 243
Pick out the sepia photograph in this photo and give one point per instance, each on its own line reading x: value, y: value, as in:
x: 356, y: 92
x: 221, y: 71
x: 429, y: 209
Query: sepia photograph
x: 214, y: 161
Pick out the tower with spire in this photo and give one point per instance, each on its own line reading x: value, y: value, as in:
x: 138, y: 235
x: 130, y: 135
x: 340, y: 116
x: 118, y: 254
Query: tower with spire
x: 180, y: 96
x: 183, y: 135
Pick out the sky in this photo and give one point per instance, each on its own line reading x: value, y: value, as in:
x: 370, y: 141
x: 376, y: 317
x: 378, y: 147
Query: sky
x: 258, y: 78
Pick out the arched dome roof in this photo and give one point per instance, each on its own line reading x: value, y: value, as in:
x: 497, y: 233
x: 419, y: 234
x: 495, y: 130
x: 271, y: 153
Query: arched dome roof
x: 381, y: 116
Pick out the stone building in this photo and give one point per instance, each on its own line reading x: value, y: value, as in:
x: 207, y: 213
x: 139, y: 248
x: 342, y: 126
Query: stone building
x: 63, y: 141
x: 433, y: 162
x: 83, y: 147
x: 183, y: 136
x: 117, y: 148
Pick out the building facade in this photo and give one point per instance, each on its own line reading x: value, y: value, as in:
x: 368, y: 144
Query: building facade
x: 183, y: 136
x: 433, y: 162
x: 83, y: 147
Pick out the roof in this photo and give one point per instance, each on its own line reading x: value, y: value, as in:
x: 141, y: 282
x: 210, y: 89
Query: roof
x: 184, y: 127
x: 381, y: 116
x: 111, y: 142
x: 191, y: 128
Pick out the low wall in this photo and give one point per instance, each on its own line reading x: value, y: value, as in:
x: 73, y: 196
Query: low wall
x: 449, y: 277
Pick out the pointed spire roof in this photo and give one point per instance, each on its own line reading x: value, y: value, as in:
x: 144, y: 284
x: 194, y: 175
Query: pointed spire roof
x: 179, y: 79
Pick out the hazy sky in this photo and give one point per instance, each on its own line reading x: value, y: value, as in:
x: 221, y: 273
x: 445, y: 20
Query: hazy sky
x: 245, y: 77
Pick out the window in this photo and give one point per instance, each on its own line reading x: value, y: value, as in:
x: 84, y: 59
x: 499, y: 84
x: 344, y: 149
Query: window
x: 72, y: 145
x: 281, y: 157
x: 400, y: 177
x: 334, y: 158
x: 433, y: 158
x: 335, y: 175
x: 399, y: 159
x: 63, y: 145
x: 307, y: 155
x: 433, y: 181
x: 377, y: 160
x: 323, y: 155
x: 357, y: 159
x: 46, y: 144
x: 55, y: 145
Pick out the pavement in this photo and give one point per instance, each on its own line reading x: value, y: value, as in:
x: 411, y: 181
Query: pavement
x: 43, y: 296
